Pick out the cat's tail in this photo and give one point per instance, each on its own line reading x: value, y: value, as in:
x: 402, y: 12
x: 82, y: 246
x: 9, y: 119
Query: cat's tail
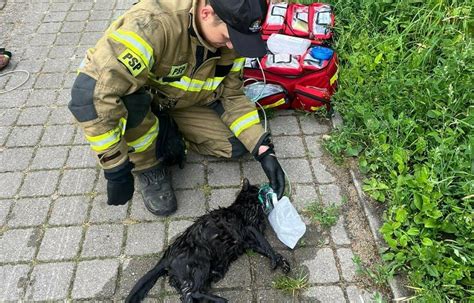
x: 143, y: 286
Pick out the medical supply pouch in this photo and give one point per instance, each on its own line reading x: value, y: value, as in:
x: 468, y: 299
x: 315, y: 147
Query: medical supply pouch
x: 324, y: 77
x: 320, y: 21
x: 297, y: 20
x: 309, y: 61
x: 284, y: 64
x: 310, y: 98
x: 275, y: 22
x: 267, y: 95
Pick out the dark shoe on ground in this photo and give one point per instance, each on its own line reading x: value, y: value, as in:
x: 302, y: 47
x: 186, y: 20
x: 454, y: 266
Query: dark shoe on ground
x: 4, y: 58
x: 157, y: 192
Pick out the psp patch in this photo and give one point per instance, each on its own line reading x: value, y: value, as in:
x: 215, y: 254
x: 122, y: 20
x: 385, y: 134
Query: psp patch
x: 132, y: 62
x: 177, y: 70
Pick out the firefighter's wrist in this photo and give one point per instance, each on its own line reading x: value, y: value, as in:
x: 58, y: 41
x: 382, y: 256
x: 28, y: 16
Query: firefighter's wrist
x: 262, y: 149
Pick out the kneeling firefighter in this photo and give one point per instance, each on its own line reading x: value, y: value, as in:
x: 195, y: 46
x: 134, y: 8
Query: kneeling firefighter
x: 167, y: 69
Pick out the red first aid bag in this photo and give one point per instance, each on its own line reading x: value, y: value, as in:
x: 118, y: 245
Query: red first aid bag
x: 320, y: 21
x: 310, y: 98
x: 297, y: 20
x: 275, y: 22
x: 324, y: 78
x: 284, y: 64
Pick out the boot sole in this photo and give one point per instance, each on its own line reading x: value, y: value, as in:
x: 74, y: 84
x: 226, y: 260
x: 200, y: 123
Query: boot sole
x: 161, y: 214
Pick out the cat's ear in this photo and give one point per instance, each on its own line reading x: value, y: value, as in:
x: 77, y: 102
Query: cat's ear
x: 245, y: 184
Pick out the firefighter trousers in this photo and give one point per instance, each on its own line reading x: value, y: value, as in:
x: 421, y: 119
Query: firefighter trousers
x: 202, y: 128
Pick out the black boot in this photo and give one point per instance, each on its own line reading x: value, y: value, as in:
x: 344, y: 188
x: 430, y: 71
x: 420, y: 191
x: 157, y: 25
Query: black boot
x: 157, y: 192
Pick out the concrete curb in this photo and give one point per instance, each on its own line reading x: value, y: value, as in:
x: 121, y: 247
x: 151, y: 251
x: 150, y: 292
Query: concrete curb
x: 399, y: 292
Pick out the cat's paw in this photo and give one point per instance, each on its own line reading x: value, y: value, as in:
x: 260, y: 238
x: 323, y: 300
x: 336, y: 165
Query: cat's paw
x: 283, y: 263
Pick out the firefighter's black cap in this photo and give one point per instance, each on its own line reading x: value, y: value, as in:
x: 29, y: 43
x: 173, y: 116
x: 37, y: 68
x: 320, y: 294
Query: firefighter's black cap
x: 244, y: 20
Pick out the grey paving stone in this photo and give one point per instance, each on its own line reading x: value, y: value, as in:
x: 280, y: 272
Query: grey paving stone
x: 191, y: 176
x: 51, y: 80
x: 9, y: 184
x: 68, y: 38
x: 224, y: 174
x: 54, y: 16
x: 90, y: 39
x: 60, y: 243
x: 58, y: 135
x: 82, y: 6
x: 61, y: 52
x: 222, y: 197
x: 261, y: 268
x: 24, y: 136
x: 73, y: 27
x: 321, y: 172
x: 331, y: 194
x: 100, y: 14
x: 60, y: 7
x: 8, y: 116
x: 235, y: 295
x: 140, y: 213
x: 134, y: 269
x: 145, y: 238
x: 97, y: 26
x: 14, y: 98
x: 64, y: 96
x: 192, y: 156
x: 107, y: 6
x: 77, y: 16
x: 303, y: 196
x: 175, y: 228
x: 348, y: 267
x: 4, y: 131
x: 15, y: 159
x: 49, y: 28
x: 29, y: 212
x: 40, y: 183
x: 61, y: 115
x: 81, y: 157
x: 50, y: 281
x: 326, y: 294
x: 35, y: 53
x: 191, y: 203
x: 32, y: 65
x: 95, y: 279
x: 69, y: 79
x: 284, y: 125
x: 238, y: 275
x: 289, y: 147
x: 311, y: 126
x: 321, y: 266
x: 13, y: 279
x: 357, y: 295
x: 69, y: 211
x: 273, y: 296
x: 103, y: 241
x: 77, y: 181
x: 80, y: 138
x: 339, y: 234
x: 18, y: 245
x: 43, y: 40
x: 253, y: 171
x: 49, y: 157
x: 4, y: 210
x: 102, y: 212
x: 297, y: 170
x: 313, y: 143
x: 41, y: 97
x: 55, y: 66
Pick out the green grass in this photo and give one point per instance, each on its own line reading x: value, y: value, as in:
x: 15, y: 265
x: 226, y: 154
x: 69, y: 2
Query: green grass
x: 291, y: 285
x: 406, y: 97
x: 326, y: 216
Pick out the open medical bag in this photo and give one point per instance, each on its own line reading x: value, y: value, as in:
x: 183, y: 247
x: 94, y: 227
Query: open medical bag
x: 303, y: 81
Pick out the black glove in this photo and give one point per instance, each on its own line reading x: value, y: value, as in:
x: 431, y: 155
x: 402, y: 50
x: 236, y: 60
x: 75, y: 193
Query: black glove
x: 120, y: 184
x: 170, y: 146
x: 273, y: 170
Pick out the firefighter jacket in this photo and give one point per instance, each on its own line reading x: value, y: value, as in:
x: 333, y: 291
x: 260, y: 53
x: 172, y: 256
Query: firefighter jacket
x: 156, y: 45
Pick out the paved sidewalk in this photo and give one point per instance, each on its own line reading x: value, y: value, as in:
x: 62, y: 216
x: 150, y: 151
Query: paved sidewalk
x: 59, y: 240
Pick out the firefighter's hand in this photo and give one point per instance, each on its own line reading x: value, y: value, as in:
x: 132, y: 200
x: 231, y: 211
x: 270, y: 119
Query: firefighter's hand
x: 120, y: 185
x: 273, y: 170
